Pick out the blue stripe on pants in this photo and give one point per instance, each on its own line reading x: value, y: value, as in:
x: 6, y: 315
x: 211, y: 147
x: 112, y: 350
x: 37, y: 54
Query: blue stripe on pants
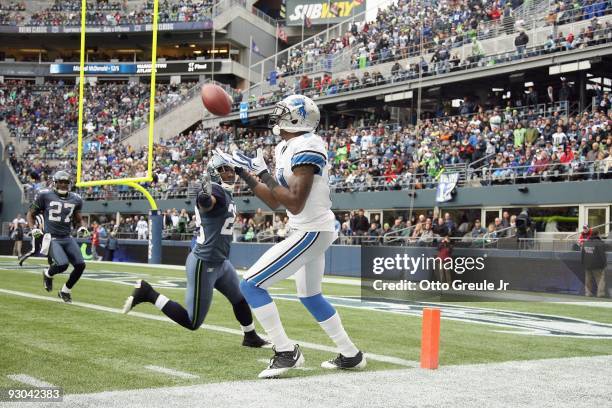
x: 285, y: 259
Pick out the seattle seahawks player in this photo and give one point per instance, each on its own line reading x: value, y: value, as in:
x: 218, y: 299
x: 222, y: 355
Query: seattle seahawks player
x: 61, y: 209
x: 36, y: 242
x: 301, y: 186
x: 207, y: 265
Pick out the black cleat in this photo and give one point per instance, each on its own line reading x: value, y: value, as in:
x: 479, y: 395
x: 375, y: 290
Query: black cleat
x: 21, y: 259
x: 282, y: 362
x: 252, y: 339
x: 143, y: 292
x: 47, y: 282
x: 66, y: 297
x: 345, y: 363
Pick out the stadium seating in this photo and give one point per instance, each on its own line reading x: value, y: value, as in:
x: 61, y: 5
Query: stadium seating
x: 391, y: 50
x: 499, y: 145
x: 103, y: 12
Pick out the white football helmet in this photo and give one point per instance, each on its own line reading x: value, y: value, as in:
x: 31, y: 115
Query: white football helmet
x: 295, y: 113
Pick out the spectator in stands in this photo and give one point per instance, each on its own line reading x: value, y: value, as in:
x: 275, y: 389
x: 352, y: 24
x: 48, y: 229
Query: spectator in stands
x: 142, y: 228
x: 360, y: 223
x: 520, y: 42
x: 445, y: 252
x: 585, y: 235
x: 427, y: 235
x: 478, y: 231
x: 259, y: 220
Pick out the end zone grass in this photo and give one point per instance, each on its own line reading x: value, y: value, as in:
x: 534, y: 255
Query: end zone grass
x: 86, y: 350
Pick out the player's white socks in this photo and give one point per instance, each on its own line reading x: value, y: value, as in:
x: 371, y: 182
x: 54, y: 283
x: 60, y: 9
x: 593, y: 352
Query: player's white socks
x: 249, y: 328
x: 161, y: 302
x: 268, y: 317
x: 65, y: 289
x: 334, y: 329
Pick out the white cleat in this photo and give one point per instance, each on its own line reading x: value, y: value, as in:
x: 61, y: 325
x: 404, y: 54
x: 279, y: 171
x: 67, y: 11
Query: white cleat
x: 282, y: 362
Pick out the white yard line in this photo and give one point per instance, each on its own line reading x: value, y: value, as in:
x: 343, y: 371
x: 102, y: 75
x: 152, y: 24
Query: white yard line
x: 314, y: 346
x: 28, y: 380
x: 171, y: 372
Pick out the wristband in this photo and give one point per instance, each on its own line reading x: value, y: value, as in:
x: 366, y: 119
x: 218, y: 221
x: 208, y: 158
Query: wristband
x: 250, y: 181
x: 269, y: 180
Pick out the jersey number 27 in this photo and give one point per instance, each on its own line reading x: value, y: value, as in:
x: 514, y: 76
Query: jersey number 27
x: 56, y: 208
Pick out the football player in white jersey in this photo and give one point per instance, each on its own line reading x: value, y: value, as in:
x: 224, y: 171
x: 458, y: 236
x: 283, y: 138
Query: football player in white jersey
x: 300, y: 185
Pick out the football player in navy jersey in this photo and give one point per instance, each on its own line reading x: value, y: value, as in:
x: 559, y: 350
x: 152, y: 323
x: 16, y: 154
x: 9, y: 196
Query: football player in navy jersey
x: 208, y: 266
x: 61, y: 210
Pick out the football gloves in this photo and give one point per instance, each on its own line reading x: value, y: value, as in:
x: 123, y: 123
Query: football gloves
x: 206, y: 184
x: 36, y: 233
x: 255, y: 164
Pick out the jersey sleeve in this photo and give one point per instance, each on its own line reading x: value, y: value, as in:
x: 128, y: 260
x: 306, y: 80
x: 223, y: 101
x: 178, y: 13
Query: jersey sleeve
x: 311, y: 154
x: 221, y: 204
x: 78, y: 202
x: 38, y: 205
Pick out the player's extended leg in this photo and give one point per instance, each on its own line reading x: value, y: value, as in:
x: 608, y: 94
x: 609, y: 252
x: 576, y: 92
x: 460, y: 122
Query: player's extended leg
x: 308, y: 283
x: 279, y: 262
x: 198, y: 296
x: 59, y: 263
x: 227, y: 283
x: 72, y: 250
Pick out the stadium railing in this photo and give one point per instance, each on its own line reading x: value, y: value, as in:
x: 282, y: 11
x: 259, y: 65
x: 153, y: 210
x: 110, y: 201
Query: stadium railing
x: 538, y: 40
x: 602, y: 36
x: 551, y: 172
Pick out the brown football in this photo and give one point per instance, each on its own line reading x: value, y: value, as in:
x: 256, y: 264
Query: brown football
x: 216, y: 100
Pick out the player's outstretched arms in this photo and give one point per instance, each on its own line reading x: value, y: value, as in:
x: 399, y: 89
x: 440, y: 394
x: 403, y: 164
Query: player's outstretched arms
x: 205, y: 199
x: 259, y: 189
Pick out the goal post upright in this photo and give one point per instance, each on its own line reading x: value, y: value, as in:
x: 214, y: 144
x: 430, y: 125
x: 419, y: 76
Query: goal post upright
x: 155, y: 219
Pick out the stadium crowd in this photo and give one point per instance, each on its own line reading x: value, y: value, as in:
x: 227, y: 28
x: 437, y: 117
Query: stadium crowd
x: 502, y: 144
x: 11, y: 13
x: 105, y: 13
x: 407, y: 28
x: 441, y: 62
x: 47, y: 115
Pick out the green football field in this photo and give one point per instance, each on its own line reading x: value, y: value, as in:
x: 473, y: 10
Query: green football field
x: 89, y: 346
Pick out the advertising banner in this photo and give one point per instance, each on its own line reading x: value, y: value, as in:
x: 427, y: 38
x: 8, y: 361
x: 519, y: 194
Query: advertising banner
x: 321, y: 11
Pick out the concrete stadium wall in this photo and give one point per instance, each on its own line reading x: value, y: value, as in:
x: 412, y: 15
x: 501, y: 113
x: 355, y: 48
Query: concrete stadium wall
x: 574, y: 192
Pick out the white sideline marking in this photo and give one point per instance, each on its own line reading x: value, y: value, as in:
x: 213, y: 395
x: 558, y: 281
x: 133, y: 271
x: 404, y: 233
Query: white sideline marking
x: 171, y: 372
x: 26, y: 379
x: 161, y: 318
x: 267, y: 361
x: 337, y: 280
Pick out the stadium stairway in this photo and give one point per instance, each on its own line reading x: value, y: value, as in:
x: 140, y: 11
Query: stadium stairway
x: 170, y: 123
x: 504, y: 43
x: 5, y: 136
x: 226, y: 12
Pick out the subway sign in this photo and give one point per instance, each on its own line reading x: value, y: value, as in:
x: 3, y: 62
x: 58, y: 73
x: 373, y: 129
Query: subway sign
x: 321, y: 11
